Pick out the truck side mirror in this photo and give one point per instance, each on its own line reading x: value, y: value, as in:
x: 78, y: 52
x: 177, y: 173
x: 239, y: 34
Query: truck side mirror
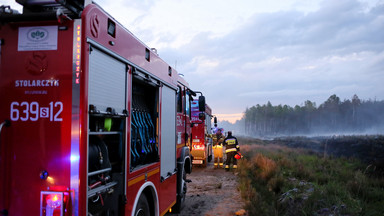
x: 215, y: 120
x: 201, y: 103
x: 202, y: 116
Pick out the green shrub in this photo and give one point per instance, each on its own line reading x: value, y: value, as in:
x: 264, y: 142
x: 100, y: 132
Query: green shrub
x: 282, y: 181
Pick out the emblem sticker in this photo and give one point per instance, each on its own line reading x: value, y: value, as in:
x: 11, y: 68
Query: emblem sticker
x: 37, y: 38
x: 37, y: 34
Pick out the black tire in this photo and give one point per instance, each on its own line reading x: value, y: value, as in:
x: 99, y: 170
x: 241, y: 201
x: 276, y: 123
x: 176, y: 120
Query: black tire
x: 210, y: 153
x: 142, y: 208
x: 205, y: 162
x: 182, y: 187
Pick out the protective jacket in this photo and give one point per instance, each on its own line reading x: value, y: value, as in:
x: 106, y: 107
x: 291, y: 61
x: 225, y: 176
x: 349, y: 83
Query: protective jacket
x: 231, y: 144
x: 217, y: 139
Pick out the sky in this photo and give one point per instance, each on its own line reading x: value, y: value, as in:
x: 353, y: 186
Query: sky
x: 240, y: 53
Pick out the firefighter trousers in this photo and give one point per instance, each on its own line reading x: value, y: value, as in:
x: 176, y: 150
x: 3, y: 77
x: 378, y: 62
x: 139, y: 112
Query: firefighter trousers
x: 218, y: 156
x: 230, y: 158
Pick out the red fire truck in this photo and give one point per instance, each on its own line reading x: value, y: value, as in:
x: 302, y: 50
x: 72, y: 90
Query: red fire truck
x: 93, y: 122
x: 201, y: 144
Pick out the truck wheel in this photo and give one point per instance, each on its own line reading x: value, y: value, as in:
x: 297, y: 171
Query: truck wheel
x: 142, y: 208
x: 210, y: 153
x: 205, y: 162
x: 182, y: 183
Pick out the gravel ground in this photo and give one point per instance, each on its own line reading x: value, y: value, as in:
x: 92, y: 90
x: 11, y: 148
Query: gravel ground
x: 212, y: 192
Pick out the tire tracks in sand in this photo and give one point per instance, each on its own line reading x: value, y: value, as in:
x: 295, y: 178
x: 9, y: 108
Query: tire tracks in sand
x: 212, y: 192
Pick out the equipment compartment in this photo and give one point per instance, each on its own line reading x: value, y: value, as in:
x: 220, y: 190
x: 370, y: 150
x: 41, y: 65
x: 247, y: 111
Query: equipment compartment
x: 106, y: 163
x: 144, y: 123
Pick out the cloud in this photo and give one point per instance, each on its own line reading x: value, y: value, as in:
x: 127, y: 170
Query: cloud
x: 242, y: 53
x: 204, y: 62
x: 291, y: 56
x: 285, y: 54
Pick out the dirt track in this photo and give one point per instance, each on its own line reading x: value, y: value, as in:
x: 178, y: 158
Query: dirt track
x: 212, y: 192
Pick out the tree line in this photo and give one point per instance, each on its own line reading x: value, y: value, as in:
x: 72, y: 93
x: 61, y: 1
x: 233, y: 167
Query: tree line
x: 331, y: 117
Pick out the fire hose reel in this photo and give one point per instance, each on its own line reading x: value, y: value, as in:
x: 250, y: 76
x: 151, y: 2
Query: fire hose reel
x: 98, y: 155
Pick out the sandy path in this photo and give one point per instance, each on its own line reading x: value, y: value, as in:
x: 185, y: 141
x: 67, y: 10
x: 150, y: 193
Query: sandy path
x: 212, y: 192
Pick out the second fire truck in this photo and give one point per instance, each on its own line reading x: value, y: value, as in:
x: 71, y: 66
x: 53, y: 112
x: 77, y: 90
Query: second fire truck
x: 201, y: 144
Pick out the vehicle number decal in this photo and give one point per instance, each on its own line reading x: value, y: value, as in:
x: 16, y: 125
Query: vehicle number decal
x: 32, y: 111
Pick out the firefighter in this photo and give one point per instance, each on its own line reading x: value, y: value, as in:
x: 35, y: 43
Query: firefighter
x: 231, y: 149
x: 217, y: 139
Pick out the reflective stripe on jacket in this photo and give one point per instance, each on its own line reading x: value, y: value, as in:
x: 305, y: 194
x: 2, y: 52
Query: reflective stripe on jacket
x: 231, y: 144
x: 230, y: 150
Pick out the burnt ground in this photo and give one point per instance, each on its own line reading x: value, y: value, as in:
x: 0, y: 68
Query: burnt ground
x: 212, y: 192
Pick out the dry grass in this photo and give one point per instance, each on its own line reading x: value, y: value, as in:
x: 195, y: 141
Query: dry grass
x: 264, y: 168
x: 277, y: 180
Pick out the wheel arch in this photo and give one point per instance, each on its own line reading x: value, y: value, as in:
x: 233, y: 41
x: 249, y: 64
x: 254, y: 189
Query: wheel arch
x: 185, y: 160
x: 149, y: 190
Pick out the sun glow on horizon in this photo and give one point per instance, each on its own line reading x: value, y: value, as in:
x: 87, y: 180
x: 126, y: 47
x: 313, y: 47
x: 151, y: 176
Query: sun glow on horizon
x: 232, y: 117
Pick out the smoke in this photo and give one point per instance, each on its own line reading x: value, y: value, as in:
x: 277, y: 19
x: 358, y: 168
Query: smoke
x: 333, y: 117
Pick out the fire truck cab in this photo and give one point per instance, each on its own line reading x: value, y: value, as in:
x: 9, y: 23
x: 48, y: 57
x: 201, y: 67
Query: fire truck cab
x: 92, y: 121
x: 201, y: 144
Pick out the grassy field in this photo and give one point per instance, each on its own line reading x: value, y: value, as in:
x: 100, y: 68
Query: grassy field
x: 278, y: 180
